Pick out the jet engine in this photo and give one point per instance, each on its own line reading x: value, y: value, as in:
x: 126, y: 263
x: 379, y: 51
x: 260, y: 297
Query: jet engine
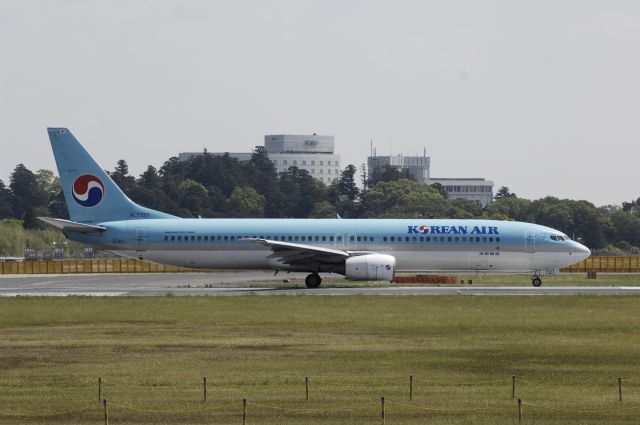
x: 370, y: 267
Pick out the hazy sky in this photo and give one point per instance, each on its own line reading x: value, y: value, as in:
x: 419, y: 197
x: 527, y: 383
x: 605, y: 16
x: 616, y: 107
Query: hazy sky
x: 540, y: 96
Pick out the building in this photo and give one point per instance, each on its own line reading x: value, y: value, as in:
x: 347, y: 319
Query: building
x: 313, y: 153
x: 419, y: 166
x: 473, y: 189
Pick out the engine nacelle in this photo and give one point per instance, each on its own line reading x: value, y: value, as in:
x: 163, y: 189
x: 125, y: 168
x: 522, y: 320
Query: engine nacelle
x: 370, y: 267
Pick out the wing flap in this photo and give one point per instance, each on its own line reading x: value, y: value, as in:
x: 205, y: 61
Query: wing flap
x: 301, y: 254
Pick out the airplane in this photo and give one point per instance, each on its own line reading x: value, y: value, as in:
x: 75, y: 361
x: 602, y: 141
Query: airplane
x: 103, y: 217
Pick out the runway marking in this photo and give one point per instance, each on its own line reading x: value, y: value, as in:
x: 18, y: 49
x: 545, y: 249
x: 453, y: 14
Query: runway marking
x: 61, y: 294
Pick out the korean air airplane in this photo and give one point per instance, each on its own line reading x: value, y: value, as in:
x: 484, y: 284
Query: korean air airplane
x: 103, y: 217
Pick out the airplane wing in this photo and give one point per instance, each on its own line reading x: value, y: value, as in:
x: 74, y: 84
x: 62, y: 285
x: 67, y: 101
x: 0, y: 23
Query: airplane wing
x: 295, y: 254
x: 72, y: 225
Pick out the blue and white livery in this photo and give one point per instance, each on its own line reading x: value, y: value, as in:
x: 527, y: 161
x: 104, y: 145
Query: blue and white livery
x: 103, y: 217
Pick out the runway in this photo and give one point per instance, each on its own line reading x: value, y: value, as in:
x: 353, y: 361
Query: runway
x: 252, y: 283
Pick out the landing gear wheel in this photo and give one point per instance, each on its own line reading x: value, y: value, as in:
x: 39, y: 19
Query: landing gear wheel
x: 536, y: 281
x: 313, y: 280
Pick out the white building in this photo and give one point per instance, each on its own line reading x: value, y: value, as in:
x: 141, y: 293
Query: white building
x: 473, y: 189
x: 313, y: 153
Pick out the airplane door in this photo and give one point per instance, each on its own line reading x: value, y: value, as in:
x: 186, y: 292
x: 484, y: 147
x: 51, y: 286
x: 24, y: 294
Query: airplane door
x: 141, y: 238
x: 529, y: 241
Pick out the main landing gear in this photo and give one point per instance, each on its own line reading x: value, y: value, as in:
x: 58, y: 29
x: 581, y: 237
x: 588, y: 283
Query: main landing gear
x: 313, y: 280
x: 536, y: 281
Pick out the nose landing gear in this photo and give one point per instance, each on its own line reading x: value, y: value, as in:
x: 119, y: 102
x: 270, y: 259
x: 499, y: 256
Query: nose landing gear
x: 313, y: 280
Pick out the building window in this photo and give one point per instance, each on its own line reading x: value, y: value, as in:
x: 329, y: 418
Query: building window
x: 304, y: 162
x: 321, y: 170
x: 284, y: 162
x: 313, y: 170
x: 313, y: 163
x: 295, y: 162
x: 321, y: 162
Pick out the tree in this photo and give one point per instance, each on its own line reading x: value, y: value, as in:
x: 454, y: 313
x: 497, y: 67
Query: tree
x: 504, y: 192
x: 323, y: 209
x: 403, y: 199
x: 5, y: 202
x: 246, y: 202
x: 121, y: 177
x: 193, y: 198
x: 26, y: 192
x: 388, y: 173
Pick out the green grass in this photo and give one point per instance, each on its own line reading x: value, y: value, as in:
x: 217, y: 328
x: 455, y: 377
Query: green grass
x: 153, y: 352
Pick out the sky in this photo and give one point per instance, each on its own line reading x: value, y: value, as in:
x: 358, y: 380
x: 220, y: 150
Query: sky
x: 540, y: 96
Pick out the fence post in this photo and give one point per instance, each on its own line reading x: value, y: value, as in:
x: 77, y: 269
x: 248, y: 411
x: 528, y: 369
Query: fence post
x: 244, y: 411
x: 382, y: 409
x: 106, y: 412
x: 306, y: 387
x: 204, y: 387
x: 519, y: 410
x: 620, y: 388
x: 99, y: 389
x: 410, y: 387
x: 513, y: 387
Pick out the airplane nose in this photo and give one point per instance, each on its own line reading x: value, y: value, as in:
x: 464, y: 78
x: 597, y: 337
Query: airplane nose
x: 582, y: 251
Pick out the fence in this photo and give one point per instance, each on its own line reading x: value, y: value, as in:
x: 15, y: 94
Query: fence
x: 119, y: 265
x: 612, y: 264
x: 103, y: 399
x: 622, y: 264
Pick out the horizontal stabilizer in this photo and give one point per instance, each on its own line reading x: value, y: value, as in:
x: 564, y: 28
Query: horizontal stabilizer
x: 72, y: 225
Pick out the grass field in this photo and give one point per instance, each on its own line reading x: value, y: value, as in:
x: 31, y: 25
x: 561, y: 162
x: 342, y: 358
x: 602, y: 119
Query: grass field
x: 152, y: 354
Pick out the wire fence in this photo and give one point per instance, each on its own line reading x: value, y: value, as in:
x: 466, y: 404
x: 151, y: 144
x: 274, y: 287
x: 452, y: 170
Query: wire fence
x: 316, y: 398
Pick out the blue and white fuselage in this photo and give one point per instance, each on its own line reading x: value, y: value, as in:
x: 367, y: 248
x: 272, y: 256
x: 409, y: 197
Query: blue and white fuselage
x: 103, y: 217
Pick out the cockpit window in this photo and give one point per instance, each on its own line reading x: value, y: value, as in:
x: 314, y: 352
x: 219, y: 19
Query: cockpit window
x: 558, y: 238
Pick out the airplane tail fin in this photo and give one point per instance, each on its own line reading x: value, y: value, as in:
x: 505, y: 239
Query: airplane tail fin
x: 91, y: 196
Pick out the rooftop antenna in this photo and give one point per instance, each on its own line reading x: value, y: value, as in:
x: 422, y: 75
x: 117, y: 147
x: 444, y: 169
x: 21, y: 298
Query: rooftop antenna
x: 371, y: 147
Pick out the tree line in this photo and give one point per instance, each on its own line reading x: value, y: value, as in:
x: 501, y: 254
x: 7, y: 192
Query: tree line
x: 218, y: 186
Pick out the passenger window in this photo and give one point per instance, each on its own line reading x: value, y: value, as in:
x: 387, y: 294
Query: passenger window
x: 415, y: 238
x: 457, y: 239
x: 351, y: 238
x: 324, y: 238
x: 220, y: 238
x: 296, y: 238
x: 206, y: 238
x: 226, y: 238
x: 428, y: 238
x: 393, y: 238
x: 317, y: 238
x: 497, y: 239
x: 441, y: 238
x: 370, y: 238
x: 309, y: 238
x: 484, y: 239
x: 449, y: 239
x: 233, y: 237
x: 179, y: 238
x: 464, y: 239
x: 490, y: 239
x: 406, y: 238
x: 166, y: 238
x: 302, y: 238
x: 421, y: 238
x: 199, y: 238
x: 384, y: 238
x: 289, y: 238
x: 331, y: 238
x: 193, y: 238
x: 359, y: 238
x: 173, y: 238
x: 477, y: 238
